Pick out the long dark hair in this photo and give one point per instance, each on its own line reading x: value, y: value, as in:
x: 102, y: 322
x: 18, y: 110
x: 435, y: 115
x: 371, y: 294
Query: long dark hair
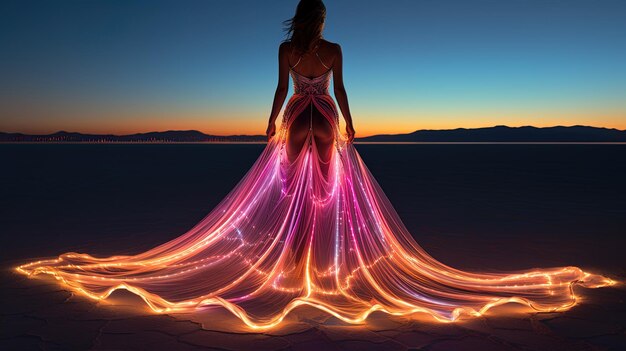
x: 304, y: 29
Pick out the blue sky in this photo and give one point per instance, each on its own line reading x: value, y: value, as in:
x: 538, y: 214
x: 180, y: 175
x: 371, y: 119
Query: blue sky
x: 131, y: 66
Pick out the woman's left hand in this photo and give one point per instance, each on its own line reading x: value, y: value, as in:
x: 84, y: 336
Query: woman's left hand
x: 350, y: 131
x: 271, y: 130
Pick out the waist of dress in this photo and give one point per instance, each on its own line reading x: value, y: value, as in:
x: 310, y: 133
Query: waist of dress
x: 315, y: 93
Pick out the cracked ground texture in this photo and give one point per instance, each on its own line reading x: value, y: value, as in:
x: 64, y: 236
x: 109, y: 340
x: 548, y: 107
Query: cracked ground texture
x: 38, y: 315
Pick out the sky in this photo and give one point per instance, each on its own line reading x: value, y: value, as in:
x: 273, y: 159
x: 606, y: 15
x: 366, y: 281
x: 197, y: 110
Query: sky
x: 127, y: 66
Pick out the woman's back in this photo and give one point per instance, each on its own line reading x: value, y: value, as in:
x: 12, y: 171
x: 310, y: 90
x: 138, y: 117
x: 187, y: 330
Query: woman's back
x: 310, y: 117
x: 314, y: 63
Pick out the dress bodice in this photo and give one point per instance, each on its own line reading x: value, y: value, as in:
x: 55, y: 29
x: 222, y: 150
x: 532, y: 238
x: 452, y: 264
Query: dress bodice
x: 310, y: 86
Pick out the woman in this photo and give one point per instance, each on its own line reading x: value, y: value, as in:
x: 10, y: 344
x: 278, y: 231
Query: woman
x: 308, y: 225
x: 310, y: 115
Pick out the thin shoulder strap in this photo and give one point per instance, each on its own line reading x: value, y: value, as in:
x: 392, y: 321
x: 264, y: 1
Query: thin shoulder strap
x: 318, y: 57
x: 316, y: 54
x: 299, y: 58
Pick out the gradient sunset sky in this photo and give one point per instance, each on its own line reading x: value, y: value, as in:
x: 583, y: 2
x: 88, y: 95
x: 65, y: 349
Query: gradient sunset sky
x: 123, y: 66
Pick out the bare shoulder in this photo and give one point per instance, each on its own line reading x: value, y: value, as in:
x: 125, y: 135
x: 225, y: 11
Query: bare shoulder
x: 284, y: 46
x: 330, y: 50
x: 283, y: 50
x: 331, y: 47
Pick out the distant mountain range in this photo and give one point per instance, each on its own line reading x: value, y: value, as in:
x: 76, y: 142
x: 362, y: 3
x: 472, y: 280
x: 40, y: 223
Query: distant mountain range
x: 507, y: 134
x: 488, y: 134
x: 172, y: 136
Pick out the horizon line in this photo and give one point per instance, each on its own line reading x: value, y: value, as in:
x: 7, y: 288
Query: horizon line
x: 365, y: 136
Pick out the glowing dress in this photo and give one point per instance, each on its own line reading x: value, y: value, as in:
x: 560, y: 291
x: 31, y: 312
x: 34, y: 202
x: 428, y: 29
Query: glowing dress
x: 286, y: 235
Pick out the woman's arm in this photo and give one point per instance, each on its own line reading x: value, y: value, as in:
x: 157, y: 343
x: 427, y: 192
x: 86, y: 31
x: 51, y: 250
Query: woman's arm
x: 281, y: 89
x: 340, y: 93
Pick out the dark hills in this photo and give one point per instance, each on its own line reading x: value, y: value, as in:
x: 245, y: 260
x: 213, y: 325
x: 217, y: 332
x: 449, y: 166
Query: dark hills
x: 488, y: 134
x: 507, y: 134
x: 150, y: 137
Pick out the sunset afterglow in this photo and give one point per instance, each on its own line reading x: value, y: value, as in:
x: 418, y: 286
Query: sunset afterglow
x: 128, y: 67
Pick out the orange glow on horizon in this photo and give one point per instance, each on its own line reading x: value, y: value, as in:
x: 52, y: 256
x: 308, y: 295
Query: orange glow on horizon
x: 238, y: 122
x: 363, y: 129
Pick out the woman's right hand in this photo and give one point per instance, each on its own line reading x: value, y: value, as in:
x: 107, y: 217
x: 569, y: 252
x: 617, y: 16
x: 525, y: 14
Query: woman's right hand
x: 271, y: 130
x: 350, y: 132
